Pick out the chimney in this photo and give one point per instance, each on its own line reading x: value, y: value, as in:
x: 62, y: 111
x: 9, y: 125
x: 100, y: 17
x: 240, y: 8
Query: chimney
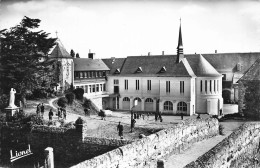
x: 216, y: 51
x: 162, y: 52
x: 91, y: 55
x: 149, y: 53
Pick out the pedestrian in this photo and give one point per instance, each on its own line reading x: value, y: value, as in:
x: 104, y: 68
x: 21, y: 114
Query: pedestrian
x: 181, y: 116
x: 220, y: 112
x: 198, y: 116
x: 42, y: 110
x: 50, y: 115
x: 59, y: 114
x: 38, y: 109
x: 160, y: 115
x: 120, y: 129
x: 143, y: 116
x: 156, y: 116
x: 134, y: 115
x: 132, y: 124
x: 64, y: 113
x: 86, y: 111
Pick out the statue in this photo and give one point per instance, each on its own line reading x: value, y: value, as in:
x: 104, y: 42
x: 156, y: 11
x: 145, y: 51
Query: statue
x: 12, y: 98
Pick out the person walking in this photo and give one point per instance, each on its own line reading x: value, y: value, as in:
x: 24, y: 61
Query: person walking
x: 50, y: 115
x: 38, y: 109
x: 42, y: 110
x: 132, y: 124
x: 181, y: 116
x: 156, y: 116
x: 64, y: 113
x: 120, y: 129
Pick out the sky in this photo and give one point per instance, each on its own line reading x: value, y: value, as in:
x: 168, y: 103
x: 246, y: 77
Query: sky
x: 113, y: 28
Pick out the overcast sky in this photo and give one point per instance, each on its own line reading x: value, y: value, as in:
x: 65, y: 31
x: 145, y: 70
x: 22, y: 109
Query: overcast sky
x: 131, y: 27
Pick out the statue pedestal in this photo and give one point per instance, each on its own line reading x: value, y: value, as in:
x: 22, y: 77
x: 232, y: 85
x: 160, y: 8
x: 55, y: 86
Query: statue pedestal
x: 10, y: 111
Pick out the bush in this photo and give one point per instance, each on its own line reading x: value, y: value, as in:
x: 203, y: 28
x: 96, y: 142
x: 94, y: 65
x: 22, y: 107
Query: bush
x: 4, y: 101
x: 79, y: 93
x: 69, y: 125
x: 62, y: 102
x: 70, y: 97
x: 221, y: 129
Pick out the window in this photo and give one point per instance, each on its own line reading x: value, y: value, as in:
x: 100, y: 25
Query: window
x: 97, y: 87
x: 181, y: 86
x: 93, y: 88
x: 90, y: 89
x: 138, y: 99
x: 116, y: 81
x: 210, y: 87
x: 81, y: 74
x: 137, y: 84
x: 90, y: 74
x: 101, y: 87
x: 104, y: 73
x: 86, y: 89
x: 100, y: 74
x: 168, y: 85
x: 149, y: 100
x: 139, y: 69
x: 77, y: 87
x: 200, y: 85
x: 85, y: 74
x: 206, y: 85
x: 126, y: 99
x: 104, y: 87
x: 217, y: 85
x: 126, y: 84
x: 167, y: 106
x: 214, y: 85
x: 148, y: 84
x: 182, y: 106
x: 76, y: 74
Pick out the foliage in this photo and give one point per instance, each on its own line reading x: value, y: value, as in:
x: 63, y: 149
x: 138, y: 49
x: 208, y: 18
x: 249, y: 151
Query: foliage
x: 79, y: 121
x: 62, y: 102
x: 69, y: 125
x: 24, y: 61
x: 72, y: 53
x: 70, y: 97
x: 79, y: 93
x: 4, y: 101
x: 77, y: 55
x: 252, y: 99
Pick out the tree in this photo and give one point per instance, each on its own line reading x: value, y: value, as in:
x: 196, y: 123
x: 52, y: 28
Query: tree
x: 62, y: 102
x: 79, y: 93
x: 70, y: 97
x: 77, y: 55
x: 72, y: 53
x: 24, y: 49
x: 252, y: 99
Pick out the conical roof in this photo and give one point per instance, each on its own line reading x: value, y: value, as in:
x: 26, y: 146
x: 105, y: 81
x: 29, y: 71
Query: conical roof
x: 205, y: 69
x: 59, y: 51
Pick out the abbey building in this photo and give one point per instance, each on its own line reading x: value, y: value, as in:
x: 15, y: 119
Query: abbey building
x: 171, y: 84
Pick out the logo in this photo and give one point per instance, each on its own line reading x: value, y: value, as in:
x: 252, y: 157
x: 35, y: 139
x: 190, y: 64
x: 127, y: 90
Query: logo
x: 20, y: 154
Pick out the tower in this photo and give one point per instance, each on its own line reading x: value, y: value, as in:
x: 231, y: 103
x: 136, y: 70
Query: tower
x: 180, y: 54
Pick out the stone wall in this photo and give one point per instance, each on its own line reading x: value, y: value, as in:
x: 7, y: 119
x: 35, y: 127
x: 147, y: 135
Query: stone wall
x: 70, y: 145
x: 241, y: 95
x: 145, y: 152
x: 239, y: 149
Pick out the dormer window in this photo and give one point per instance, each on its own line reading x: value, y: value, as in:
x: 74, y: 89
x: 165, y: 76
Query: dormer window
x: 117, y: 71
x: 139, y: 69
x: 163, y: 69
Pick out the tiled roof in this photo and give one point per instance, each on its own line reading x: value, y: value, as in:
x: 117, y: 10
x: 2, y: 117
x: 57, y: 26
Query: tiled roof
x: 114, y: 63
x: 253, y: 72
x: 202, y: 67
x: 88, y: 64
x: 59, y: 51
x: 151, y: 66
x: 229, y: 61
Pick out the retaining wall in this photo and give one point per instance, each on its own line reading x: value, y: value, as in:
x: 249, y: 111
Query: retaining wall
x: 145, y: 152
x: 239, y: 149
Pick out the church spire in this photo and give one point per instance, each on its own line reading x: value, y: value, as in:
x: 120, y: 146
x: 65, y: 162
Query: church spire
x: 180, y: 54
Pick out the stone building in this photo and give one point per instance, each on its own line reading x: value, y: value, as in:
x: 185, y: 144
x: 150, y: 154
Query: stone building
x: 252, y: 76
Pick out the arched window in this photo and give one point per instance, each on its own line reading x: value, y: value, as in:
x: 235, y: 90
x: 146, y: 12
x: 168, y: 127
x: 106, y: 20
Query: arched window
x: 167, y: 106
x: 182, y: 106
x: 126, y: 99
x: 137, y: 98
x: 149, y: 100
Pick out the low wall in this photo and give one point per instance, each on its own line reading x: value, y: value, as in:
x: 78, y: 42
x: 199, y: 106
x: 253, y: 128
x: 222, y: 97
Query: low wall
x: 239, y: 149
x: 145, y: 152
